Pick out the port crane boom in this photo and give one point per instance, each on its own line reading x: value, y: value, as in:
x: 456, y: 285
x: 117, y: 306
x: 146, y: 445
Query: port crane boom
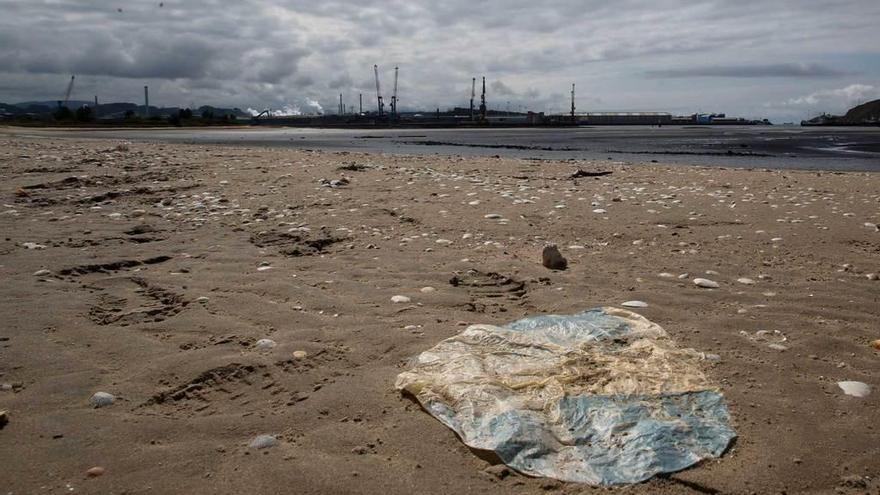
x: 67, y: 93
x: 378, y: 91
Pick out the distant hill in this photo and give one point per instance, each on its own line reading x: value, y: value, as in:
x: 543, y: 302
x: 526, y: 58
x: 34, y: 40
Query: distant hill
x: 44, y: 109
x: 864, y: 113
x: 52, y: 104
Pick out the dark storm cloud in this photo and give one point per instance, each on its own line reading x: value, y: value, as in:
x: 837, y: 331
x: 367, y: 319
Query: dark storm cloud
x: 261, y: 53
x: 500, y: 88
x: 769, y: 70
x: 343, y: 81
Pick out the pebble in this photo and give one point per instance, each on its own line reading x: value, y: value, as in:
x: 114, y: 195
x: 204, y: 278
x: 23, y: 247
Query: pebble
x: 300, y: 354
x: 746, y: 281
x: 600, y: 210
x: 32, y: 245
x: 706, y: 283
x: 876, y: 344
x: 855, y: 389
x: 42, y: 273
x: 443, y: 241
x: 94, y: 472
x: 777, y: 347
x: 427, y: 290
x: 492, y: 216
x: 265, y: 344
x: 202, y: 299
x: 400, y: 299
x: 551, y: 258
x: 665, y: 275
x: 872, y: 276
x: 263, y: 442
x: 263, y: 268
x: 101, y: 399
x: 634, y: 304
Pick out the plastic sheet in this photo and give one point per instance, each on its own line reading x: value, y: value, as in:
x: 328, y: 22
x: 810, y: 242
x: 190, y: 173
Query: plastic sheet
x: 601, y: 397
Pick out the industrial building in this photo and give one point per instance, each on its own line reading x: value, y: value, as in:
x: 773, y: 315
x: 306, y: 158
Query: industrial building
x: 623, y: 118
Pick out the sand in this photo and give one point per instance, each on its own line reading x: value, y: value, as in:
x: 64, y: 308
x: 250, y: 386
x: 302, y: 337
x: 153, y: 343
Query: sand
x: 149, y: 271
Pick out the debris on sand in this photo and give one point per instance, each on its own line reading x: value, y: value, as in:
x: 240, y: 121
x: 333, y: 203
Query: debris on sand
x: 400, y: 299
x: 265, y: 344
x: 583, y: 173
x: 101, y: 399
x: 334, y: 183
x: 96, y: 471
x: 551, y: 258
x: 534, y: 393
x: 263, y: 442
x: 855, y: 389
x: 775, y: 340
x: 706, y: 283
x: 353, y: 167
x: 634, y: 304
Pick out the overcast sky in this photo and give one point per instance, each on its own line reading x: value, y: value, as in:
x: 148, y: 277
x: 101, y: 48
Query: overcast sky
x: 785, y: 60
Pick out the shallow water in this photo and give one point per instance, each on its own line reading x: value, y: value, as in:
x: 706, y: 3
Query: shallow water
x: 780, y: 147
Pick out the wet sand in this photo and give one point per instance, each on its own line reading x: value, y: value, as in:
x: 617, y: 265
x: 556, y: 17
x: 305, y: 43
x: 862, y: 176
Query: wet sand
x: 775, y: 147
x: 150, y: 271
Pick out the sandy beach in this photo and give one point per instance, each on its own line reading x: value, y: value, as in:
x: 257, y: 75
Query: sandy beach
x: 150, y: 271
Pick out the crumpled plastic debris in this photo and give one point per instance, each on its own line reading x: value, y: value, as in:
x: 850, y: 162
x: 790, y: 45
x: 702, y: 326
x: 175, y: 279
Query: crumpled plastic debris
x: 601, y: 397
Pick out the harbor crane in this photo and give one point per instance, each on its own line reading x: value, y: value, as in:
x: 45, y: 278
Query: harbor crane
x: 378, y: 91
x: 473, y: 94
x: 394, y: 96
x: 483, y: 102
x: 67, y: 93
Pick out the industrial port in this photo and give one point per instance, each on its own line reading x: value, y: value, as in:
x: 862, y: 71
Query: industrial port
x: 478, y: 113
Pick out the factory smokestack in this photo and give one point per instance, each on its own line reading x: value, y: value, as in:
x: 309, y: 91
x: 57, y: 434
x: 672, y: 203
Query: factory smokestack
x: 147, y: 101
x: 473, y: 94
x: 483, y: 102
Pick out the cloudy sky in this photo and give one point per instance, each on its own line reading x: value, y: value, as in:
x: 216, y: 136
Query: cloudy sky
x: 782, y: 59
